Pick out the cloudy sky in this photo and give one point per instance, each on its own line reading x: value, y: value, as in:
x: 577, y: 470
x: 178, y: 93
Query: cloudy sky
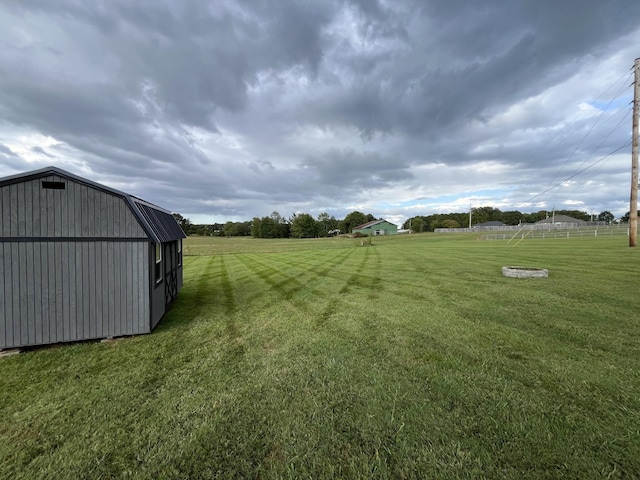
x: 226, y: 110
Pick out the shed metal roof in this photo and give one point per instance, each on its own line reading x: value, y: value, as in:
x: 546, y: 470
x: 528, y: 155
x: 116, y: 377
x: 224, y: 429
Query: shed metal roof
x: 161, y: 222
x: 157, y: 222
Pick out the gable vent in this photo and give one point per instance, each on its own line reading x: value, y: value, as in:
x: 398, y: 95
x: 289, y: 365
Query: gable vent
x: 53, y: 185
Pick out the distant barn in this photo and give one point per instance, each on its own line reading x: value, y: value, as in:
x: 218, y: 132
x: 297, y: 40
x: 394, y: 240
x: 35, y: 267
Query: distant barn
x: 377, y: 227
x: 79, y: 260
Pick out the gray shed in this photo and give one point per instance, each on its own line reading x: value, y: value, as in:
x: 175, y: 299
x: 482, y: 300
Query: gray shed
x: 79, y: 260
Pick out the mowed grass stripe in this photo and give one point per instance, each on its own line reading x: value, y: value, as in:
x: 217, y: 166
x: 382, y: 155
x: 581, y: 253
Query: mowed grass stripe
x: 429, y: 364
x: 297, y: 275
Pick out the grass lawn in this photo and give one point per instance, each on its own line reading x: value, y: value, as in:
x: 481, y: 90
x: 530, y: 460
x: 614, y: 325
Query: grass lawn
x: 411, y: 358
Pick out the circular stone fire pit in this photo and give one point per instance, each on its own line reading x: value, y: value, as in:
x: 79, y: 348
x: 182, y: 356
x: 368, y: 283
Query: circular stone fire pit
x: 525, y: 272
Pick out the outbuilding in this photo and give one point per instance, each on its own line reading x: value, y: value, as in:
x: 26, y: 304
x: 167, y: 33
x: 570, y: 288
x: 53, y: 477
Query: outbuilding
x: 80, y: 260
x: 377, y: 227
x: 561, y: 220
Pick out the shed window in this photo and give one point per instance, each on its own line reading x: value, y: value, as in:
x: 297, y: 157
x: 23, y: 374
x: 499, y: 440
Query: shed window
x: 179, y: 252
x: 158, y: 247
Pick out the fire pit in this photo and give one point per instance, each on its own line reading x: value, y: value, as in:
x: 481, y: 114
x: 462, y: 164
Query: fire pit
x: 525, y: 272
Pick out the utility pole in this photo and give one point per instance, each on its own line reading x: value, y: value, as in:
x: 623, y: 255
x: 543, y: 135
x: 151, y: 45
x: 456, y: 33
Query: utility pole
x: 470, y: 210
x: 633, y: 207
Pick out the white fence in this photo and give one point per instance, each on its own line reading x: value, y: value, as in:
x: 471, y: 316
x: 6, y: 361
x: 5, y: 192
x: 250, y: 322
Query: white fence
x: 548, y: 230
x: 582, y: 231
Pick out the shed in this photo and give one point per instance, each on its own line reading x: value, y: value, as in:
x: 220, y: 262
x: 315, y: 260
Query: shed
x: 80, y: 260
x: 377, y: 227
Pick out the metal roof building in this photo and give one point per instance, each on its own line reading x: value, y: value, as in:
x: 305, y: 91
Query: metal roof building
x: 80, y: 260
x: 561, y: 219
x: 376, y: 227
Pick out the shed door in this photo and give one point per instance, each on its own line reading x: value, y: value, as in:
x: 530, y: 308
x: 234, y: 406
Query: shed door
x: 171, y: 271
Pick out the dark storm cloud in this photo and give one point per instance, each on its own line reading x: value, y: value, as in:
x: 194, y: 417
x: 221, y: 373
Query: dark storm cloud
x: 192, y: 58
x: 462, y: 61
x: 6, y: 151
x: 10, y: 160
x: 361, y: 170
x: 42, y: 151
x: 218, y: 103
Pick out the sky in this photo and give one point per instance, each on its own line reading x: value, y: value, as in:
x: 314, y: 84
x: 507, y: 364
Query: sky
x: 227, y: 110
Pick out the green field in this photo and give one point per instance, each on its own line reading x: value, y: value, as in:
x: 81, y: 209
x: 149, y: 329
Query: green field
x: 321, y: 358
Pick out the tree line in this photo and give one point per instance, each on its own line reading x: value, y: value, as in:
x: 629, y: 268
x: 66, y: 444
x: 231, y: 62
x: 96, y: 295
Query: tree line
x: 299, y: 225
x: 428, y: 223
x: 304, y: 225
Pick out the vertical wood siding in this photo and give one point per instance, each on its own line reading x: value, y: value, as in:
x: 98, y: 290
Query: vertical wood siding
x: 29, y: 210
x: 64, y: 291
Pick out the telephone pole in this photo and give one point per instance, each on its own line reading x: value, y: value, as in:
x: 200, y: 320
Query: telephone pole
x: 633, y: 208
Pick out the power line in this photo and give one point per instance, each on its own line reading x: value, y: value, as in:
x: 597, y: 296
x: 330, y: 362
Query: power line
x: 578, y: 172
x: 626, y: 76
x: 595, y: 149
x: 602, y: 112
x: 626, y: 116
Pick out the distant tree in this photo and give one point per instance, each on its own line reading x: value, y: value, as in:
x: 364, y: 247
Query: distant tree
x: 229, y: 229
x: 627, y: 216
x: 478, y: 215
x: 493, y: 214
x: 579, y: 214
x: 486, y: 214
x: 322, y: 224
x: 281, y: 225
x: 482, y: 215
x: 530, y: 217
x: 433, y: 224
x: 243, y: 228
x: 450, y: 223
x: 277, y: 218
x: 273, y: 226
x: 256, y: 227
x: 303, y: 226
x: 432, y: 221
x: 512, y: 217
x: 326, y: 223
x: 461, y: 218
x: 416, y: 224
x: 352, y: 220
x: 606, y: 216
x: 269, y: 228
x: 540, y: 215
